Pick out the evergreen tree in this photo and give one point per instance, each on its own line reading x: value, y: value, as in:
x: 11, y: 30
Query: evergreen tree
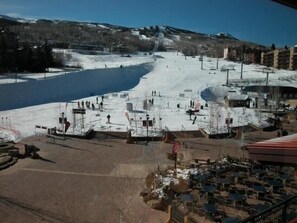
x: 272, y: 47
x: 48, y: 55
x: 3, y: 53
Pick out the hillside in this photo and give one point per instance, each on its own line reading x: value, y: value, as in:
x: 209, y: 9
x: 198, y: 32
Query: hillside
x: 64, y: 34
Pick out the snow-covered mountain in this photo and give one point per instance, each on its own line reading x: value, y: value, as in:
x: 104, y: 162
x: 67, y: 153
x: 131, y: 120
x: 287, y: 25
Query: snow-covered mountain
x: 17, y: 20
x: 226, y: 35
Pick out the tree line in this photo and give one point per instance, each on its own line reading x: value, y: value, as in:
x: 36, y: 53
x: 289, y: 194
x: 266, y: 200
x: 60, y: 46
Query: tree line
x: 15, y: 57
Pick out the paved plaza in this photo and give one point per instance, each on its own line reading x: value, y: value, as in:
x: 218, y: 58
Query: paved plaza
x: 97, y: 180
x: 80, y: 181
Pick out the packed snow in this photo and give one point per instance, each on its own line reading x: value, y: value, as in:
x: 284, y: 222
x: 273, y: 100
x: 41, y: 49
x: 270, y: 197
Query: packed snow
x: 163, y: 96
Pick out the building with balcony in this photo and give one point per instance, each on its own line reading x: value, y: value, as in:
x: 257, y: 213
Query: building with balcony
x: 281, y: 58
x: 293, y: 58
x: 249, y: 58
x: 267, y: 59
x: 250, y: 55
x: 232, y: 53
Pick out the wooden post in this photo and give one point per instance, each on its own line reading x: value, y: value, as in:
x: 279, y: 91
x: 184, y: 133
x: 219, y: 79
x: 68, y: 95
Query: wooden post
x: 175, y: 160
x: 169, y: 216
x: 129, y: 137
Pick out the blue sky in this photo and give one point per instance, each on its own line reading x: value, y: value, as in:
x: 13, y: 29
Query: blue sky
x: 260, y: 21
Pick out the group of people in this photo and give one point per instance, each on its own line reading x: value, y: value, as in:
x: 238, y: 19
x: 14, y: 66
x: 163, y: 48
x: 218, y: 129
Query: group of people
x: 97, y: 99
x: 88, y: 104
x: 154, y: 93
x: 151, y: 102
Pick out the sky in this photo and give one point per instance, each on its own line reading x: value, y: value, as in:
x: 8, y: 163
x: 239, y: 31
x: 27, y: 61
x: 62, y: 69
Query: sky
x: 260, y: 21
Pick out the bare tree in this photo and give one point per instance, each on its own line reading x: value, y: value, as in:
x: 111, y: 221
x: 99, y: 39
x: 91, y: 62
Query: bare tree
x: 275, y: 96
x: 259, y: 105
x: 215, y: 116
x: 259, y: 97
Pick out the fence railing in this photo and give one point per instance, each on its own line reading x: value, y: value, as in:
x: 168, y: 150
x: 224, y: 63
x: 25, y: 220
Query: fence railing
x: 247, y: 81
x: 277, y: 213
x: 284, y: 212
x: 177, y: 216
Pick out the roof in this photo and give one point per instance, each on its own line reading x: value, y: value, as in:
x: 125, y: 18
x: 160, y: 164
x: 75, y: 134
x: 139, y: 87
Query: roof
x: 237, y: 97
x: 280, y: 150
x: 288, y: 142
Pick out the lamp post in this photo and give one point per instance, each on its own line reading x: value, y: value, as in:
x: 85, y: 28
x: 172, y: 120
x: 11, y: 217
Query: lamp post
x: 217, y: 59
x: 242, y: 60
x: 229, y: 121
x: 228, y: 69
x: 201, y: 60
x: 63, y: 124
x: 227, y: 81
x: 147, y: 124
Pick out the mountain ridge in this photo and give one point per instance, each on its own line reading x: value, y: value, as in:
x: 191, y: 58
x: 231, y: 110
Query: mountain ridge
x: 109, y: 36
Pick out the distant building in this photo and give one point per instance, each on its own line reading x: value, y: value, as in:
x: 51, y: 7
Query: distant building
x: 250, y: 55
x: 85, y: 47
x: 293, y: 58
x: 267, y: 59
x: 234, y: 99
x: 232, y: 53
x: 120, y: 48
x: 281, y: 58
x: 249, y: 58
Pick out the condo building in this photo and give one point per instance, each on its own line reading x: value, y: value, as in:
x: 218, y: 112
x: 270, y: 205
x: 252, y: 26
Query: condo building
x: 281, y: 58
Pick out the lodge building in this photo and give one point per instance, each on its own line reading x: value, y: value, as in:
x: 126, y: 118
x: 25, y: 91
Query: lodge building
x: 281, y: 58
